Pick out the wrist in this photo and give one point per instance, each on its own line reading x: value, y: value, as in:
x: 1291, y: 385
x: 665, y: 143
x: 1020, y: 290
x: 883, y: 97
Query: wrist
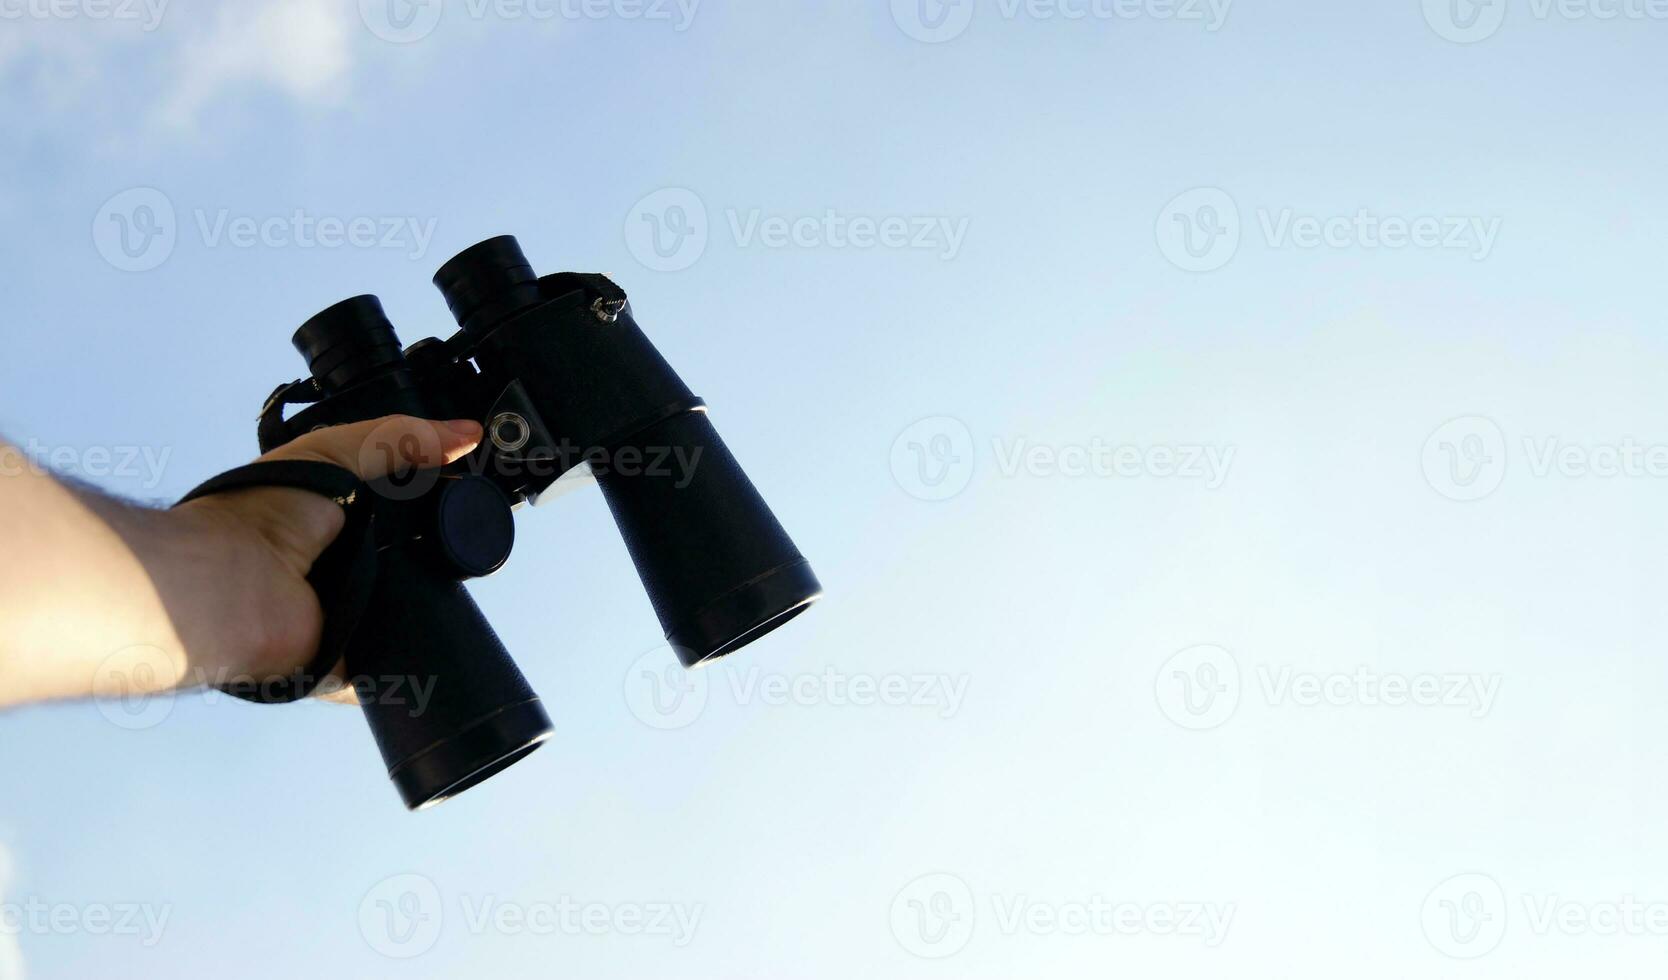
x: 243, y: 609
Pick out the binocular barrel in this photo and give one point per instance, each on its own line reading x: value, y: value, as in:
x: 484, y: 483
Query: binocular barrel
x: 717, y: 566
x: 448, y: 707
x: 446, y: 704
x: 719, y: 569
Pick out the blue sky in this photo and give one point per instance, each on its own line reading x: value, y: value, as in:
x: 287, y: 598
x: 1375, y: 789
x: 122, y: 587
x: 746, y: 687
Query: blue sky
x: 1230, y: 438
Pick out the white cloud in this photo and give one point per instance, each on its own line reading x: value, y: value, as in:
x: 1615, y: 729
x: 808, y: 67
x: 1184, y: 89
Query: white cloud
x: 82, y: 70
x: 299, y: 47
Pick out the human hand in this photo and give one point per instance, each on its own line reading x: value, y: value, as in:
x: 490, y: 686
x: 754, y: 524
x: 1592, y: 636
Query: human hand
x: 261, y: 617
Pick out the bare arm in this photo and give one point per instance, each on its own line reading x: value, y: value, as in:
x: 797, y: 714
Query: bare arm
x: 96, y: 592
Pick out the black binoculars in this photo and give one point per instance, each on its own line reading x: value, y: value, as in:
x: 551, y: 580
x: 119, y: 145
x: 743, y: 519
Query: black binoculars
x: 558, y: 373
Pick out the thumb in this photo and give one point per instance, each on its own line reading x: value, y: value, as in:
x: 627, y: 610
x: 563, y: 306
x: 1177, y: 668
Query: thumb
x: 379, y: 447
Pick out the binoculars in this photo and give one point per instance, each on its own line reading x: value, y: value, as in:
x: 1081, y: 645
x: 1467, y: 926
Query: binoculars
x: 559, y: 374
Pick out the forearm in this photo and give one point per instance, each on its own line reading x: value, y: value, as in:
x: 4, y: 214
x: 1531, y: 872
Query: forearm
x: 102, y: 597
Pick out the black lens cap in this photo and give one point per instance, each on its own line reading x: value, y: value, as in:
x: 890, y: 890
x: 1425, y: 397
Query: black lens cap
x: 474, y: 526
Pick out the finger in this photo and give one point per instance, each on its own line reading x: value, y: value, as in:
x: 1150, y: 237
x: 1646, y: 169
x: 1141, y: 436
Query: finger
x: 378, y: 447
x: 336, y: 690
x: 346, y: 695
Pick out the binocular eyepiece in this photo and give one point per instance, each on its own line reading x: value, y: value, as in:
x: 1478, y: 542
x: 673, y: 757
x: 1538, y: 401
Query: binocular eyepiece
x: 559, y: 373
x: 349, y: 341
x: 487, y: 282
